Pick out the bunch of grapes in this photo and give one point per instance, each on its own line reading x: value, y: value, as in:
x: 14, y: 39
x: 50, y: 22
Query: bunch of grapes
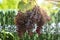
x: 26, y: 21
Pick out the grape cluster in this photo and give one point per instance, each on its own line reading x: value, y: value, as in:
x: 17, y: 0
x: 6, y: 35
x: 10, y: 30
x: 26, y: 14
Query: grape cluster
x: 26, y: 21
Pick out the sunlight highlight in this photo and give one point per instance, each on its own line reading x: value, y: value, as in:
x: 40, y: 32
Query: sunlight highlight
x: 1, y: 1
x: 39, y: 2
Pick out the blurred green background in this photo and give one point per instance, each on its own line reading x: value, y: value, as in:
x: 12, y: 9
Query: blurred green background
x: 9, y: 9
